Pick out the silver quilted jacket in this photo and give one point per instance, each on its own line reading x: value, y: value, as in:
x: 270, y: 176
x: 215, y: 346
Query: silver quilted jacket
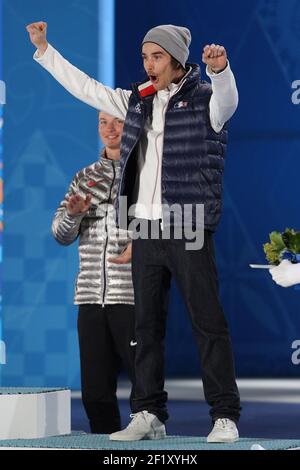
x: 99, y: 281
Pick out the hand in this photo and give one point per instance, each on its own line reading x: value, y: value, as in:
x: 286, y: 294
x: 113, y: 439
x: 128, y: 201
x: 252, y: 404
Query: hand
x: 215, y: 57
x: 124, y: 257
x: 37, y: 33
x: 286, y: 274
x: 78, y: 205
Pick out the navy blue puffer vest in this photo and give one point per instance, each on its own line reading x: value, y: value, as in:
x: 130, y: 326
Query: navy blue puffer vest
x: 193, y: 153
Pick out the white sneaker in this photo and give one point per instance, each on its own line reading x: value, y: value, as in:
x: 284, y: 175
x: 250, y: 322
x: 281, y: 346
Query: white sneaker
x: 143, y: 425
x: 224, y: 430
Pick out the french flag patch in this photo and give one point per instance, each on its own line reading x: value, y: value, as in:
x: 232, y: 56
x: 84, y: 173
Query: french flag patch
x: 181, y: 104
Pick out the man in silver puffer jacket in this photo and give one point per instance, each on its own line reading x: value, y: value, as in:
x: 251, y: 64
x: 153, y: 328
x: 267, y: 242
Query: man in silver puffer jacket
x: 103, y: 290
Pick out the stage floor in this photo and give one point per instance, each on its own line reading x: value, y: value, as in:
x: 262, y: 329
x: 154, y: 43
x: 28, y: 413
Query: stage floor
x: 270, y: 418
x: 84, y: 441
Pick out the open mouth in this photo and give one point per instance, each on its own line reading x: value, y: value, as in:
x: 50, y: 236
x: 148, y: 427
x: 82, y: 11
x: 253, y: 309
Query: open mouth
x: 153, y: 78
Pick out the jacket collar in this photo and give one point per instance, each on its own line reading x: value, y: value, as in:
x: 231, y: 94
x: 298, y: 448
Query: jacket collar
x: 145, y: 88
x: 106, y: 162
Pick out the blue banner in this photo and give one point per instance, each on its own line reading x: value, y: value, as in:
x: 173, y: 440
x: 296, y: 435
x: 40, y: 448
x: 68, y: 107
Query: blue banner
x: 49, y: 136
x: 2, y: 102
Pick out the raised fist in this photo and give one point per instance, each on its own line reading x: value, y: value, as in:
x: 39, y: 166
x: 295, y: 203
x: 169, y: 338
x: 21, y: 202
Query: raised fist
x: 215, y: 57
x: 37, y: 32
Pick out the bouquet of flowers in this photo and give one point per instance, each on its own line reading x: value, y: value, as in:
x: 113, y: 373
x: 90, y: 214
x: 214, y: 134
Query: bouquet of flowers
x: 285, y: 245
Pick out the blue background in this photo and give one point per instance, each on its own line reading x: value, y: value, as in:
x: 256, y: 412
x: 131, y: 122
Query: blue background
x: 49, y: 136
x: 2, y: 101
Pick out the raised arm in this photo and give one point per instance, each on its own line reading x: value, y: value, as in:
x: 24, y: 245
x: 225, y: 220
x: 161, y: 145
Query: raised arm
x: 78, y: 83
x: 224, y: 98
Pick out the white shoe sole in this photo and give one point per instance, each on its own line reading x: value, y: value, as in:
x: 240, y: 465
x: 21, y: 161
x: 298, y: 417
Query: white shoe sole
x: 151, y: 437
x: 222, y: 441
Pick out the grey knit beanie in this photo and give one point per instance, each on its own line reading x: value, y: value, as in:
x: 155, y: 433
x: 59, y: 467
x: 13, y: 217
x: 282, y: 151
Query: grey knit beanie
x: 174, y: 39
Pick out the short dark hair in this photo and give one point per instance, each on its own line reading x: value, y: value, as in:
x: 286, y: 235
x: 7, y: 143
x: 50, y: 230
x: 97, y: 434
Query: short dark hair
x: 175, y: 64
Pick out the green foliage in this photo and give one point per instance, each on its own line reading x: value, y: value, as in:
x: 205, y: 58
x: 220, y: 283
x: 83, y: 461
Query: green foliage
x: 287, y: 241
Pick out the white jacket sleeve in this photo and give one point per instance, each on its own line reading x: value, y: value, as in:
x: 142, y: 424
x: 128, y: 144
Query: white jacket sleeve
x: 224, y: 99
x: 83, y: 87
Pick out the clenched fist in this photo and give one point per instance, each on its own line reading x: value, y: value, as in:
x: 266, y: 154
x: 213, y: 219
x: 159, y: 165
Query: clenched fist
x: 37, y: 32
x: 215, y: 57
x: 78, y: 205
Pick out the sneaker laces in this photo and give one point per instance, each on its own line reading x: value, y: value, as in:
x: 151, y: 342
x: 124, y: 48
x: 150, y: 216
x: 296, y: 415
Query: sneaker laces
x: 223, y: 423
x: 136, y: 418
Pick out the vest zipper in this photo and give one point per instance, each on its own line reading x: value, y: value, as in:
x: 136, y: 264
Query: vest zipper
x: 124, y: 167
x: 162, y: 153
x: 106, y: 241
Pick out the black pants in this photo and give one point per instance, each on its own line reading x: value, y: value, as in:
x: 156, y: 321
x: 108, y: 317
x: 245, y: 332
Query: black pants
x: 153, y: 264
x: 105, y: 338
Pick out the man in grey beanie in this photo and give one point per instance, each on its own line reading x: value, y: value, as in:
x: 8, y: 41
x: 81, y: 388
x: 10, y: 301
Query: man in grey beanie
x: 172, y: 154
x: 174, y: 39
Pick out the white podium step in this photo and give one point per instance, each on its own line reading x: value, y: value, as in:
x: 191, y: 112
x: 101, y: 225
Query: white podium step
x: 29, y: 413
